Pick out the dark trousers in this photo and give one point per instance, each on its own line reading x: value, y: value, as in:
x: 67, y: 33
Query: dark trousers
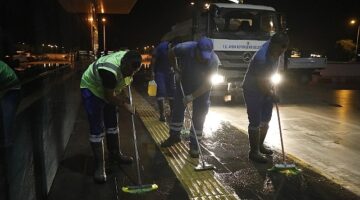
x: 165, y: 85
x: 200, y: 107
x: 259, y: 107
x: 100, y: 114
x: 9, y: 103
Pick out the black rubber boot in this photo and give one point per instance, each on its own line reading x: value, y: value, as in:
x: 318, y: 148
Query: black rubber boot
x: 115, y: 155
x: 254, y: 153
x: 263, y: 148
x: 99, y: 161
x: 194, y: 150
x: 171, y: 140
x: 161, y: 110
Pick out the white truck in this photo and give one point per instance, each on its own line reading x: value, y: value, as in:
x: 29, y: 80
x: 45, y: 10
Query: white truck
x: 237, y: 31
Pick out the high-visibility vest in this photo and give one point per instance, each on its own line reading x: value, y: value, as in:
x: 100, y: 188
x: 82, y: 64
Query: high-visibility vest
x: 8, y: 78
x: 92, y: 80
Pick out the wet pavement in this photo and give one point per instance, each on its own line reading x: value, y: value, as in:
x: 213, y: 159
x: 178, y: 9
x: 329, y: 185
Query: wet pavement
x: 320, y: 128
x: 74, y: 179
x: 225, y: 145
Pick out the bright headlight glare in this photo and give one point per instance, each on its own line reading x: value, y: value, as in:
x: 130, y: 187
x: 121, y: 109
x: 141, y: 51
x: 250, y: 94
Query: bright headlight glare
x: 276, y: 78
x: 216, y: 79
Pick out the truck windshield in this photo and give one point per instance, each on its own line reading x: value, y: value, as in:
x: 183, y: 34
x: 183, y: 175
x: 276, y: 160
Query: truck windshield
x: 238, y: 22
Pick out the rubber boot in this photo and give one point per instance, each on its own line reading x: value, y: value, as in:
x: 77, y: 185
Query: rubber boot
x: 263, y: 148
x: 99, y: 161
x: 254, y: 153
x: 173, y: 139
x: 194, y: 150
x: 161, y: 110
x: 115, y: 155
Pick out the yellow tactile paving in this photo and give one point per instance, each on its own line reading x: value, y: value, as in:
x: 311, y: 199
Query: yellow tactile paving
x: 199, y: 185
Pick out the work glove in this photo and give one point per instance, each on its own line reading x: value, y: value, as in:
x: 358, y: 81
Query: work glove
x: 129, y: 108
x: 187, y: 99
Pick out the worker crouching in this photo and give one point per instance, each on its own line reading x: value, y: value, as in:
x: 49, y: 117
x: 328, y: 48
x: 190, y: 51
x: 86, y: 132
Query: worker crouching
x: 102, y: 89
x: 194, y: 62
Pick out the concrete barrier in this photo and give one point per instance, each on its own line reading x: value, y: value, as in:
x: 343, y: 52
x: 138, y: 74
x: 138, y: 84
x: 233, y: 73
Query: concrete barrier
x: 43, y: 124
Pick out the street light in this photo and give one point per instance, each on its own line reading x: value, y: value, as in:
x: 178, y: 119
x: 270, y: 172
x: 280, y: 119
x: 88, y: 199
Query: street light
x: 353, y: 22
x: 104, y: 36
x: 91, y: 20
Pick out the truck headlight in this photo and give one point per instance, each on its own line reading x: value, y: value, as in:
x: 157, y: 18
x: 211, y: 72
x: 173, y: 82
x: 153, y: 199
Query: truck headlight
x: 217, y: 79
x: 276, y: 78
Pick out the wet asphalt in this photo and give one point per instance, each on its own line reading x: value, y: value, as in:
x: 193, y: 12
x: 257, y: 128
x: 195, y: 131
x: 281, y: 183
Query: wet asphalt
x: 226, y: 146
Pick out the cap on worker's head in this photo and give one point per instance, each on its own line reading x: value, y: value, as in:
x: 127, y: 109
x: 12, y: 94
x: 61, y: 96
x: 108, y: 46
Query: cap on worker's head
x: 206, y: 46
x: 281, y: 39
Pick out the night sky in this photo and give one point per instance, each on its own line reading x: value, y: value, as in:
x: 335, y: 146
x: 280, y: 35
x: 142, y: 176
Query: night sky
x: 313, y: 24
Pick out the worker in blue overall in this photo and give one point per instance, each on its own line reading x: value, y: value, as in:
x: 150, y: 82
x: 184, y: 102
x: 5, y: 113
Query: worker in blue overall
x: 259, y: 93
x: 196, y: 63
x: 102, y: 89
x: 164, y: 77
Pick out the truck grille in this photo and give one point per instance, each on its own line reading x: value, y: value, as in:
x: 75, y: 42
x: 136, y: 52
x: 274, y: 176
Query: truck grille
x: 235, y: 59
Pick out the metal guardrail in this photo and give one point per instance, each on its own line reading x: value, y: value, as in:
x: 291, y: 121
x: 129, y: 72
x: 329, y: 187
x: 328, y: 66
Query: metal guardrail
x: 28, y: 80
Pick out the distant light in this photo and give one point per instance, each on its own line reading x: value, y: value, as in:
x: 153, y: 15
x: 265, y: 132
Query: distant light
x: 207, y: 6
x: 90, y: 19
x: 271, y: 24
x: 314, y: 55
x: 353, y: 21
x: 295, y: 54
x: 192, y: 3
x: 103, y: 19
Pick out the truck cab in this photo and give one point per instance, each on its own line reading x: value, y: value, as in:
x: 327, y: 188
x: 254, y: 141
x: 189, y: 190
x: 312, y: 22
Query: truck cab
x: 237, y: 31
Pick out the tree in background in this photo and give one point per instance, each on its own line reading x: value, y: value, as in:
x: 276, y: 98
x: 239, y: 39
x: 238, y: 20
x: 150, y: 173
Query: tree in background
x: 345, y: 50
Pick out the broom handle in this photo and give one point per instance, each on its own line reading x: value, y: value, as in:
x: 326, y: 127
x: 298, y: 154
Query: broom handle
x: 192, y: 126
x: 135, y: 140
x: 187, y: 110
x: 280, y: 130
